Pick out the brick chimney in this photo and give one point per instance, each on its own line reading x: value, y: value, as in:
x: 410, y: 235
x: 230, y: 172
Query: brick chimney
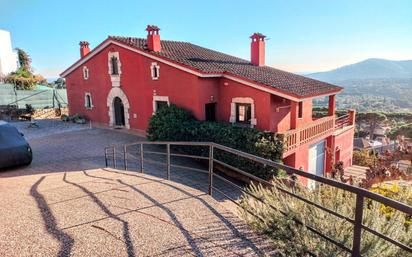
x: 153, y: 38
x: 258, y: 49
x: 84, y: 48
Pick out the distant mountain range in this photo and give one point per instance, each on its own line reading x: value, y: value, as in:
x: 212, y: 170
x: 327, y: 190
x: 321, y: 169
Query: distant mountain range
x: 368, y: 69
x: 371, y: 85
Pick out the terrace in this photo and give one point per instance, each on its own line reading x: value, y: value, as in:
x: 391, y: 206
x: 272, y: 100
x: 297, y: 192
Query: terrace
x: 316, y: 130
x: 152, y: 199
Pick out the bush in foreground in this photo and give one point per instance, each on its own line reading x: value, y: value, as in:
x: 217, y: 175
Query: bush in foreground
x: 293, y: 239
x: 175, y: 124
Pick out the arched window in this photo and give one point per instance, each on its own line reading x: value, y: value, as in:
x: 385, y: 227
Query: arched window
x: 88, y: 101
x: 155, y: 71
x: 85, y: 73
x: 115, y: 65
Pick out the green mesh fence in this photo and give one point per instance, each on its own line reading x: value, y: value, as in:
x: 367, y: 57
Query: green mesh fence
x: 40, y: 98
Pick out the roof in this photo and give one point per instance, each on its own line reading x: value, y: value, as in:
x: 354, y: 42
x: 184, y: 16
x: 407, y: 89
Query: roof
x: 361, y: 143
x: 211, y: 61
x: 214, y: 62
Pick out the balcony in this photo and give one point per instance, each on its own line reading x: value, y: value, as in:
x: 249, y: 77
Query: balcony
x: 319, y: 128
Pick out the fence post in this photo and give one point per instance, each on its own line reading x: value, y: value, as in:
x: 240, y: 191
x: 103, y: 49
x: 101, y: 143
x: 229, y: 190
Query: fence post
x: 114, y: 157
x: 357, y: 230
x: 141, y: 158
x: 53, y: 97
x: 125, y: 156
x: 105, y: 156
x: 210, y: 169
x: 168, y: 161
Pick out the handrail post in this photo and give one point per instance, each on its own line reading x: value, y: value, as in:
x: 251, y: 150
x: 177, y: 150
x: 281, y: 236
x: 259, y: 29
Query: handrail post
x: 105, y: 156
x: 210, y: 169
x: 168, y: 161
x: 357, y: 230
x: 141, y: 157
x: 125, y: 156
x: 114, y: 157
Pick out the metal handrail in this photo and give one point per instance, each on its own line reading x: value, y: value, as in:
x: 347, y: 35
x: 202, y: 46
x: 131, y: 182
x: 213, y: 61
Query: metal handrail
x: 111, y: 153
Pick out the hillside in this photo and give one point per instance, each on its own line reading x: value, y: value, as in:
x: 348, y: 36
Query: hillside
x: 372, y: 85
x: 368, y: 69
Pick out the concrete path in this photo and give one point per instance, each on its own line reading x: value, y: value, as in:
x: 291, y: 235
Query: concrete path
x: 66, y: 204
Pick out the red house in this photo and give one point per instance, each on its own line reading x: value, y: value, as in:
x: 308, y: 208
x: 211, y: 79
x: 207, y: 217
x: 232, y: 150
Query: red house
x: 124, y: 80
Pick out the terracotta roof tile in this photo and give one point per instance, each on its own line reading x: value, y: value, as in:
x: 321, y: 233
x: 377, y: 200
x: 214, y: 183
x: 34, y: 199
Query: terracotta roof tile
x: 210, y: 61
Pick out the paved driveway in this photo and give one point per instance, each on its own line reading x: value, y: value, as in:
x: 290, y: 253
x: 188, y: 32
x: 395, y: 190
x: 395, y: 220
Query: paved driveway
x: 66, y: 204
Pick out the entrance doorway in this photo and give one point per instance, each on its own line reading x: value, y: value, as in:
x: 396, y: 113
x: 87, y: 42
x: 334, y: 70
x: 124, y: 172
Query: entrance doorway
x: 210, y: 112
x: 118, y: 112
x: 316, y: 161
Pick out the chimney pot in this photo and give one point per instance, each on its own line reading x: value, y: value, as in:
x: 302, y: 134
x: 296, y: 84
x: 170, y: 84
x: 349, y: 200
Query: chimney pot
x: 84, y: 48
x: 258, y: 49
x: 153, y: 38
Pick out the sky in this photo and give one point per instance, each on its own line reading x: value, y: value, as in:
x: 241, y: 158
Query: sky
x: 303, y: 35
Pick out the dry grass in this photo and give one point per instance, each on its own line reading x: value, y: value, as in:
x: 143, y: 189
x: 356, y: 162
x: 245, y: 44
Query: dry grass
x: 292, y: 239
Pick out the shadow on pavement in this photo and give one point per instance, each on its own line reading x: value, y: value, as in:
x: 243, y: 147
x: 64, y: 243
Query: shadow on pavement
x: 126, y: 234
x: 66, y: 242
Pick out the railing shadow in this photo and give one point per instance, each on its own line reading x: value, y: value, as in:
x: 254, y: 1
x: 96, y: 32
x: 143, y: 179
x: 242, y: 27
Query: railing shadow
x: 176, y: 222
x: 66, y: 241
x: 215, y: 212
x: 126, y: 234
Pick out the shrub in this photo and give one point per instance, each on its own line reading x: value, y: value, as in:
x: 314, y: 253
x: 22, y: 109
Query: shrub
x: 396, y: 192
x: 292, y: 239
x: 64, y: 118
x: 29, y: 109
x: 176, y: 124
x: 364, y: 158
x: 76, y: 118
x: 24, y: 79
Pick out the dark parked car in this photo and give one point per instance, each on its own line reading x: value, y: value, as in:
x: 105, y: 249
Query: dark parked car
x: 14, y: 149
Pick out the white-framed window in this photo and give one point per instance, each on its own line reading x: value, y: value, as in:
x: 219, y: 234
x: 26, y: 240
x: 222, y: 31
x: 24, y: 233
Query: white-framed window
x: 85, y: 72
x: 88, y: 103
x: 155, y: 71
x: 113, y: 61
x: 114, y: 68
x: 159, y: 102
x: 114, y: 64
x: 242, y: 111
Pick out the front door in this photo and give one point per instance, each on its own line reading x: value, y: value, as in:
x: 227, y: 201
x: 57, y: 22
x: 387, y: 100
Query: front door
x: 316, y: 161
x: 118, y: 112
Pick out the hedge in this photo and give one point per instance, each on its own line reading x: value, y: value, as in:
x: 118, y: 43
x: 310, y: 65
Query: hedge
x: 176, y: 124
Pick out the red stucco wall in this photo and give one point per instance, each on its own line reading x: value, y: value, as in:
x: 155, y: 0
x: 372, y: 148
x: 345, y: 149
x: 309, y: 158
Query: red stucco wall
x: 344, y: 142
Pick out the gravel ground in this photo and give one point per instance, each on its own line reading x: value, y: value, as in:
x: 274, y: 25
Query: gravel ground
x: 66, y: 204
x: 47, y: 127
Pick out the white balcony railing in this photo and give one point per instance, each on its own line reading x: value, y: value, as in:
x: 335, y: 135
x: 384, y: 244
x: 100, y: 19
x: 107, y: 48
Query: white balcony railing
x: 316, y: 129
x: 296, y: 137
